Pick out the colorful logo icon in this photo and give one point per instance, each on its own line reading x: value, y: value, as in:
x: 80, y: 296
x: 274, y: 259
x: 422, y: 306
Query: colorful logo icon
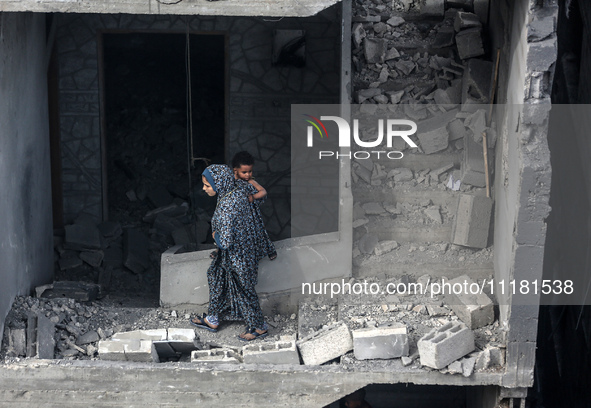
x: 318, y: 125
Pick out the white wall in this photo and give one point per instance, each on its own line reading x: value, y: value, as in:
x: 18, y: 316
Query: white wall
x: 26, y: 236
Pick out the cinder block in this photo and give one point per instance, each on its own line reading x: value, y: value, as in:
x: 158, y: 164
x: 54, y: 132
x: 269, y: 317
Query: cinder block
x: 140, y: 350
x: 326, y: 344
x: 281, y: 352
x: 432, y: 133
x: 216, y: 356
x: 380, y: 343
x: 472, y: 167
x: 444, y: 345
x: 155, y: 334
x: 111, y: 350
x: 469, y: 43
x: 17, y: 341
x: 472, y: 221
x: 476, y: 310
x: 187, y: 335
x: 465, y: 20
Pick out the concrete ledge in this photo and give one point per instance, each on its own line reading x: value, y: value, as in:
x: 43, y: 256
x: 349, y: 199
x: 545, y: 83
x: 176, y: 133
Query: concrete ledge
x: 303, y: 259
x: 270, y: 8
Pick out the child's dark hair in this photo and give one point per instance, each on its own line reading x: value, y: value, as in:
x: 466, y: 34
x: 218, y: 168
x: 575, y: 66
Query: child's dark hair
x: 242, y: 158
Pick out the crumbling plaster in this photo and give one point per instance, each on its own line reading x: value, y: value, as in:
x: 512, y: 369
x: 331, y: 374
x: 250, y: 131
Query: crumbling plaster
x: 522, y: 182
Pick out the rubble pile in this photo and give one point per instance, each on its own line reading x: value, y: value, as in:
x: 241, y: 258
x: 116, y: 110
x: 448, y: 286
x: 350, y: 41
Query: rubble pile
x: 424, y: 61
x: 378, y: 331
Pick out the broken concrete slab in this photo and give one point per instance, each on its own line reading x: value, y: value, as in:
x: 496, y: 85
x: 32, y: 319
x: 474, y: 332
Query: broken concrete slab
x: 81, y: 291
x: 358, y: 34
x: 87, y: 338
x: 93, y: 258
x: 476, y: 82
x: 444, y: 345
x: 313, y: 317
x: 472, y: 167
x: 280, y: 352
x: 110, y: 229
x: 472, y: 221
x: 374, y: 50
x: 176, y: 334
x: 111, y: 350
x: 444, y: 38
x: 469, y: 43
x: 384, y: 342
x: 368, y: 243
x: 385, y: 247
x: 136, y: 254
x: 326, y: 344
x: 475, y: 309
x: 45, y: 337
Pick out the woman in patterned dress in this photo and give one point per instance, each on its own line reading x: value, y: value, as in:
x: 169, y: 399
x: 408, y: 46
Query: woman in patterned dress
x: 233, y: 273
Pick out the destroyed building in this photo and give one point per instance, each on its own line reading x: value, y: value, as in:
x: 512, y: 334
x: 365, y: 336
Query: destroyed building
x: 109, y: 114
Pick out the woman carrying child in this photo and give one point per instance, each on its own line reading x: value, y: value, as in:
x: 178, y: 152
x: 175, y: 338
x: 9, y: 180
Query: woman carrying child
x: 232, y: 275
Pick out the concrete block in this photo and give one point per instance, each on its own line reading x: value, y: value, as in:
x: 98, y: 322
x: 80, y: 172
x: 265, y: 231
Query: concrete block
x: 434, y: 141
x: 82, y: 236
x: 281, y: 352
x: 45, y: 338
x: 476, y: 82
x: 446, y: 344
x: 476, y: 310
x: 472, y: 221
x: 93, y: 258
x: 187, y: 335
x: 444, y: 37
x: 456, y: 130
x: 469, y: 43
x: 140, y: 351
x: 17, y: 341
x: 154, y: 334
x: 111, y: 350
x: 380, y: 343
x: 81, y: 291
x: 375, y: 50
x: 433, y: 7
x: 465, y: 20
x: 472, y: 166
x: 216, y: 356
x: 541, y: 55
x: 326, y: 344
x: 384, y: 247
x: 136, y: 254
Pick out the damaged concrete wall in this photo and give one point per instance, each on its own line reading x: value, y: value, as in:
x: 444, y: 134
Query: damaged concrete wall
x: 226, y: 8
x: 25, y: 188
x: 522, y: 183
x: 259, y: 96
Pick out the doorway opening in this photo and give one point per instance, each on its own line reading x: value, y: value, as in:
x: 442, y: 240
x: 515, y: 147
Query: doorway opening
x: 163, y: 117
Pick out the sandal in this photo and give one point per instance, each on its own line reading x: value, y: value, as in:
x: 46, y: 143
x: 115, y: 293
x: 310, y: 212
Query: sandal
x: 202, y: 323
x: 213, y: 254
x: 253, y: 331
x: 273, y: 256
